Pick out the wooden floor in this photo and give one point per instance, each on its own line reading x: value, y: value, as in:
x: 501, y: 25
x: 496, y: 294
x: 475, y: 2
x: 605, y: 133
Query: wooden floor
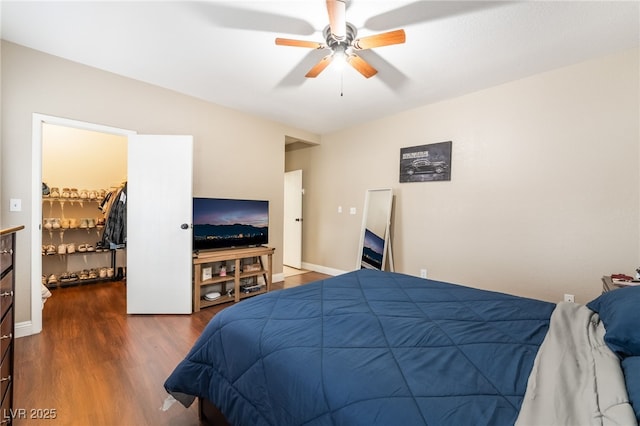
x: 95, y: 365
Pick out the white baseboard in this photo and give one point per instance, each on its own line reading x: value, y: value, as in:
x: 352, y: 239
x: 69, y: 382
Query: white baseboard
x: 24, y: 328
x: 322, y: 269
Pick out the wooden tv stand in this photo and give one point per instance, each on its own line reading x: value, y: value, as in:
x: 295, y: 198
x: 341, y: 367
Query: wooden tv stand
x: 243, y: 268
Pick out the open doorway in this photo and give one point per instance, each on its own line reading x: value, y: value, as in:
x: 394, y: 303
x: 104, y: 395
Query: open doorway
x: 297, y: 159
x: 84, y: 173
x: 70, y: 155
x: 166, y: 275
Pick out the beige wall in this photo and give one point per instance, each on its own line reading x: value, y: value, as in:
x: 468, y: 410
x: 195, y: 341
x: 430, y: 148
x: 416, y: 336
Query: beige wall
x: 544, y: 196
x: 235, y: 154
x: 82, y: 159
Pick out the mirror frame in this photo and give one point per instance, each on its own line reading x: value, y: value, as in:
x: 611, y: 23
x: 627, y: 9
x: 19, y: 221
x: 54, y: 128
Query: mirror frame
x: 381, y: 212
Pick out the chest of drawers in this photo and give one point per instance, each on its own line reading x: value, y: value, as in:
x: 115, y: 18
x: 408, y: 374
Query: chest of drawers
x: 7, y: 320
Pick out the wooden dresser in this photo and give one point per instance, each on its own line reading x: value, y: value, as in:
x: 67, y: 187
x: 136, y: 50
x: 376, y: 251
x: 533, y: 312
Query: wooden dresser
x: 7, y: 321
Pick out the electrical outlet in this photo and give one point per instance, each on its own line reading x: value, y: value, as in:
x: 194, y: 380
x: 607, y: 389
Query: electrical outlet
x: 569, y: 298
x: 423, y: 273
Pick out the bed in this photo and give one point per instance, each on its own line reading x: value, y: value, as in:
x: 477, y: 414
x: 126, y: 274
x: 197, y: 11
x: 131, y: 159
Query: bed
x: 383, y: 348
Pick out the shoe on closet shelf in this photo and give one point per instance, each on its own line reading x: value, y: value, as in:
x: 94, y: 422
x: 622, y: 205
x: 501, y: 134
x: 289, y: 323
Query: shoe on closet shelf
x: 82, y: 248
x: 110, y: 272
x: 55, y: 223
x: 71, y: 248
x: 74, y: 193
x: 90, y: 247
x: 91, y: 222
x: 51, y: 249
x: 52, y: 279
x: 55, y: 192
x: 84, y: 223
x: 84, y: 275
x: 62, y: 249
x: 73, y: 276
x: 93, y: 274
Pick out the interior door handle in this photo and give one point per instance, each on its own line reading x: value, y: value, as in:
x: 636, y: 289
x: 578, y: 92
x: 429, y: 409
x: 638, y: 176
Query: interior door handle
x: 298, y: 219
x: 184, y: 226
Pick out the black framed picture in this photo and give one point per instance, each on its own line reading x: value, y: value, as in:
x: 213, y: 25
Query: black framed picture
x: 426, y: 163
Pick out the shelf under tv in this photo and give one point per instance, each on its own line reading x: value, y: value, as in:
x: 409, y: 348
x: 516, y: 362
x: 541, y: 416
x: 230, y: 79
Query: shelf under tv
x: 234, y: 278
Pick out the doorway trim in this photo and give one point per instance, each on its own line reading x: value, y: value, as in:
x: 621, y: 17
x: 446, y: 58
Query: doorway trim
x: 34, y: 326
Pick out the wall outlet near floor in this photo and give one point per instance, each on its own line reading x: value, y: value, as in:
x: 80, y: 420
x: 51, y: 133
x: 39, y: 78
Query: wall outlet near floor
x: 569, y: 298
x: 423, y: 273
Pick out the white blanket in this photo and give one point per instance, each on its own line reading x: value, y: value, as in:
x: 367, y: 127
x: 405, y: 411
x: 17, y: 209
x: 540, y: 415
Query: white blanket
x: 576, y: 379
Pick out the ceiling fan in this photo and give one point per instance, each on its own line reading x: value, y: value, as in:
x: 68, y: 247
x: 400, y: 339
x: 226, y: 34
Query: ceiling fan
x: 340, y: 38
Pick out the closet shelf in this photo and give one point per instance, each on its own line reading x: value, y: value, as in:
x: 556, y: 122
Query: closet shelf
x: 108, y: 251
x: 78, y: 282
x: 72, y: 200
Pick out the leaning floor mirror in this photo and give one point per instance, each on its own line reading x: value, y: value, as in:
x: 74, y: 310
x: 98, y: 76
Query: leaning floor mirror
x: 374, y: 250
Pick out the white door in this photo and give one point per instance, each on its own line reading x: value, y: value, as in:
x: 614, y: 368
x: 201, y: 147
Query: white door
x: 292, y: 244
x: 159, y: 215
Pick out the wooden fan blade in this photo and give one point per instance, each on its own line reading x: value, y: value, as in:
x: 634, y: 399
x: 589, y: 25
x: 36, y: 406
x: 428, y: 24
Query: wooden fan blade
x: 337, y: 18
x: 319, y: 67
x: 361, y: 66
x: 299, y: 43
x: 379, y: 40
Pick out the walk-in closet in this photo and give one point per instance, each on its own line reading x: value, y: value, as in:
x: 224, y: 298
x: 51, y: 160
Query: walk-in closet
x: 84, y: 176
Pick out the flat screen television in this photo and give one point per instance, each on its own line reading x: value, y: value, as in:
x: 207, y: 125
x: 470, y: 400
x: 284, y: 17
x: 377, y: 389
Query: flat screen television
x: 222, y: 223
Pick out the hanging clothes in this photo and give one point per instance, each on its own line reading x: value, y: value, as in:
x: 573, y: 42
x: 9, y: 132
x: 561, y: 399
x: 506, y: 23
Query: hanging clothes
x: 115, y: 230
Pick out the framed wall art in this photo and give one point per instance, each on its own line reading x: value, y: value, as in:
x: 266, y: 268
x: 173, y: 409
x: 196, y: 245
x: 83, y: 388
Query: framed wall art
x: 426, y: 163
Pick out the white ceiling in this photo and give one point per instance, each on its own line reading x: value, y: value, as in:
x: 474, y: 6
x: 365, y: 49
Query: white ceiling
x: 224, y: 51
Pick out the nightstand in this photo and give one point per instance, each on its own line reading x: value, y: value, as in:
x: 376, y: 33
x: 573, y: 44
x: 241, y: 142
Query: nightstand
x: 608, y: 284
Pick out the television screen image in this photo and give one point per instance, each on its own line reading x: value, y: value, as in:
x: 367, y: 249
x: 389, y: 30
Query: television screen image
x: 220, y: 223
x: 372, y: 251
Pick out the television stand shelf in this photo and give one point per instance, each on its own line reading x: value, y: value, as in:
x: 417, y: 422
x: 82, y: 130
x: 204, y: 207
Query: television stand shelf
x: 229, y: 272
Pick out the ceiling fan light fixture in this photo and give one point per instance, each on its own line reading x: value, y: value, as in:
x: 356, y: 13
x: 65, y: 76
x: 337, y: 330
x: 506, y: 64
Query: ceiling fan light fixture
x: 339, y: 58
x: 340, y: 37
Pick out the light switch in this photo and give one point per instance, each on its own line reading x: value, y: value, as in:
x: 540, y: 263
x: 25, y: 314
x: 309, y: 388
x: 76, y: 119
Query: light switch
x: 15, y: 205
x: 339, y: 209
x: 352, y: 210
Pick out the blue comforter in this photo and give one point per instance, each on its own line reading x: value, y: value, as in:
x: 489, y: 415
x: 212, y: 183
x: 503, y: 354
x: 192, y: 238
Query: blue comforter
x: 367, y: 348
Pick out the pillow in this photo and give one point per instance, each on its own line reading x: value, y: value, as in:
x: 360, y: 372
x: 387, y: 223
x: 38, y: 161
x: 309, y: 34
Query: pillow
x: 631, y: 367
x: 619, y: 310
